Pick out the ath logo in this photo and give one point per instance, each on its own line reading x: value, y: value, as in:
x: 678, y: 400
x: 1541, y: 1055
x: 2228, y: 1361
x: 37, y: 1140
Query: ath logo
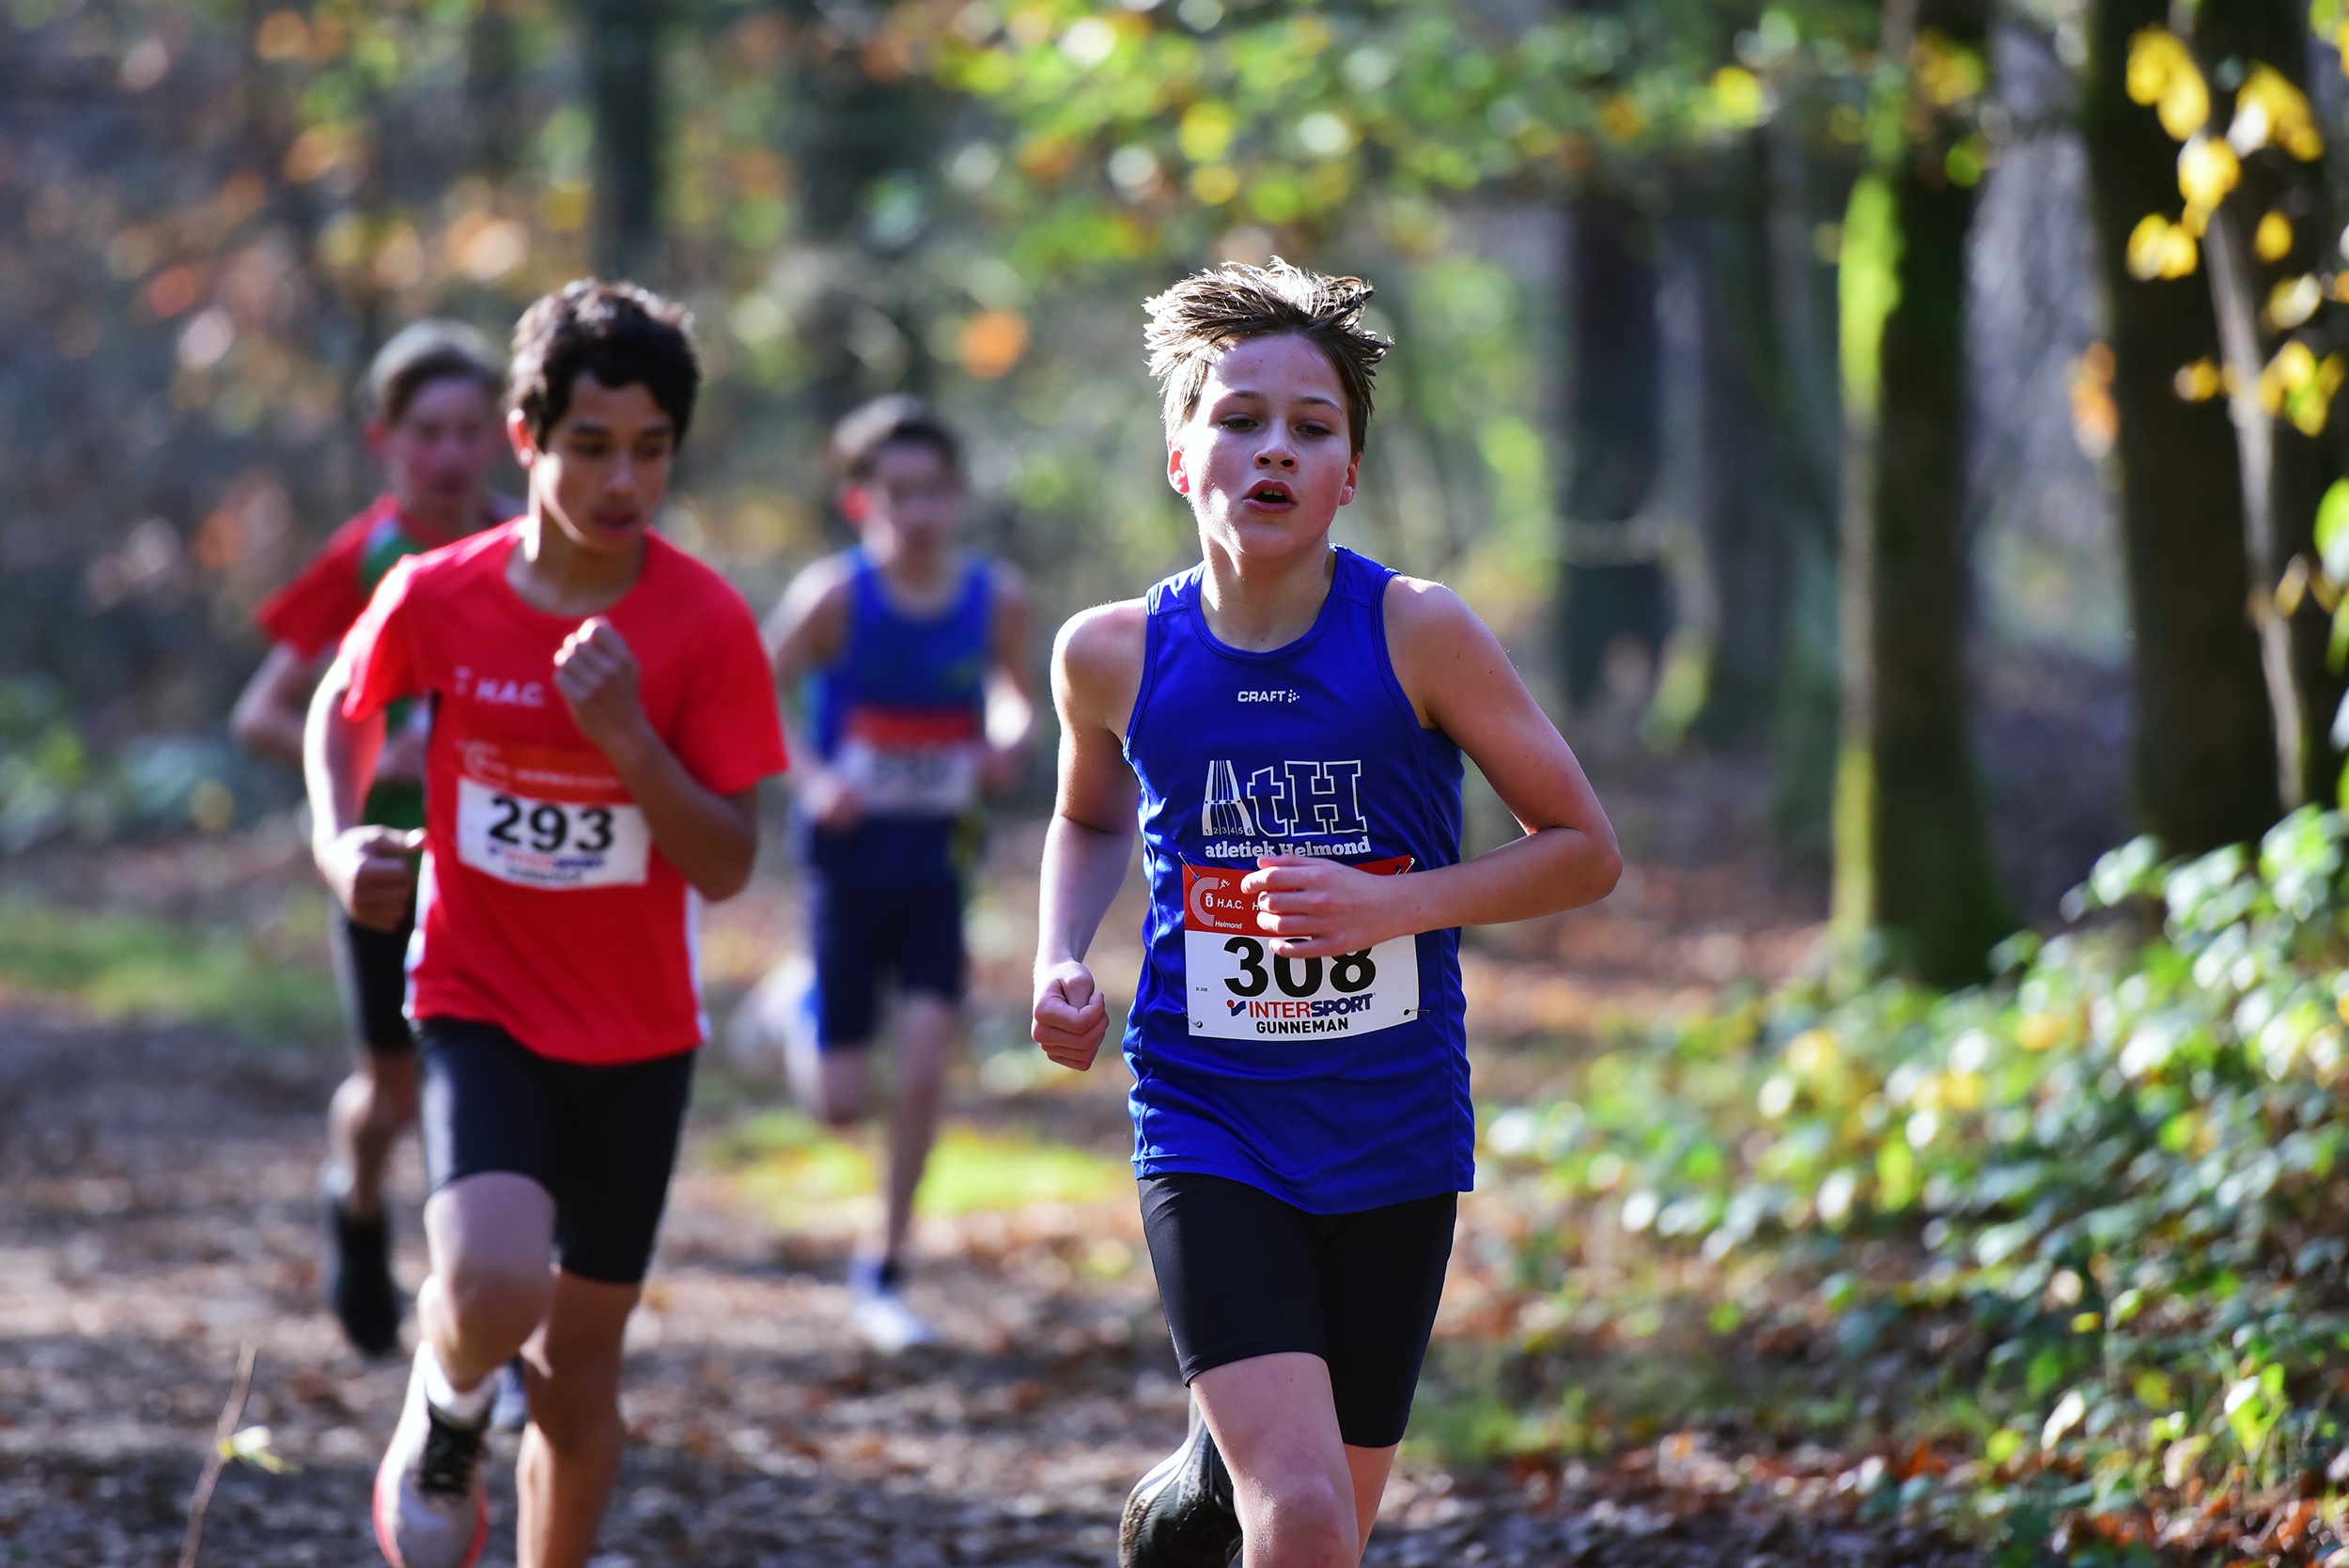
x: 1295, y: 800
x: 1276, y: 694
x: 498, y: 693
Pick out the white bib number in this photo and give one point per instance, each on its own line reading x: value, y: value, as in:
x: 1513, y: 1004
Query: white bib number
x: 550, y: 844
x: 1239, y: 988
x: 912, y: 780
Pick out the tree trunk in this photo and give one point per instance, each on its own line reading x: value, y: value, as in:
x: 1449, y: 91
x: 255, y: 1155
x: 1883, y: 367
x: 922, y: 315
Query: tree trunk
x: 624, y: 87
x: 2204, y: 762
x: 1805, y: 719
x: 1742, y: 516
x: 1615, y: 583
x: 1914, y: 880
x: 2282, y: 471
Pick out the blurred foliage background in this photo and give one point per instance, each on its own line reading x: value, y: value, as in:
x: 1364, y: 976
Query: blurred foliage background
x: 1609, y: 238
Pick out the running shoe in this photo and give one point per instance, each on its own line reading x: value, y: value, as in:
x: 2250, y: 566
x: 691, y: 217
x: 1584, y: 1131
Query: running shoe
x: 880, y: 1317
x: 364, y: 1298
x: 431, y: 1510
x: 1181, y: 1515
x: 510, y: 1412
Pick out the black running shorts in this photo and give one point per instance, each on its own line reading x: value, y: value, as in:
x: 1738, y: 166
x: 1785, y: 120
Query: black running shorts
x: 1244, y: 1274
x: 601, y: 1140
x: 371, y: 972
x: 912, y: 929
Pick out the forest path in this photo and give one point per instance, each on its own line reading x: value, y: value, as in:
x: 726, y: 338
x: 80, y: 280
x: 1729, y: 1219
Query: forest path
x: 156, y: 1212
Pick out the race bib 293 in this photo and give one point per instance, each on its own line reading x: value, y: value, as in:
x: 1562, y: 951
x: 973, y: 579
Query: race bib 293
x: 542, y: 816
x: 1240, y: 989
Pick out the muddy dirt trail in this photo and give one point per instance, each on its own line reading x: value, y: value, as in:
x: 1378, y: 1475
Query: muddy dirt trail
x: 156, y: 1213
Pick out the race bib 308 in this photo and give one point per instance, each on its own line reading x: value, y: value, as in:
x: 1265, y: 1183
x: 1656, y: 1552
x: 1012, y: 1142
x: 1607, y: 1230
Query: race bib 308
x: 544, y: 818
x: 1240, y: 989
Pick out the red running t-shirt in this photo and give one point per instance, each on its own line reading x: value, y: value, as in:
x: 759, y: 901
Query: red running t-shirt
x: 545, y: 907
x: 311, y: 614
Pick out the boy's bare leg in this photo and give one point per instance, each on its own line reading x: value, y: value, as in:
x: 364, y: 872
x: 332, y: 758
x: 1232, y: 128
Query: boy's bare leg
x: 927, y: 1028
x: 1370, y: 1468
x: 836, y: 1086
x: 492, y: 1243
x: 1293, y: 1477
x: 570, y: 1453
x: 370, y: 1109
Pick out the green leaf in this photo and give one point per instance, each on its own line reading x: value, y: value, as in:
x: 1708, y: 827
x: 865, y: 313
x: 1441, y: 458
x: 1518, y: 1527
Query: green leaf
x: 2332, y: 530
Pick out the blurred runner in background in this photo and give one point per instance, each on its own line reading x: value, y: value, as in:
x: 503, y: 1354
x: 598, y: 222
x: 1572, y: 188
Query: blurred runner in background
x: 430, y: 402
x: 907, y: 657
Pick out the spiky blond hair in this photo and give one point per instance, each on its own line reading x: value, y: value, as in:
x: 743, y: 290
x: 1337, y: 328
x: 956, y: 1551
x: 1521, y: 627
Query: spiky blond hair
x: 1197, y: 321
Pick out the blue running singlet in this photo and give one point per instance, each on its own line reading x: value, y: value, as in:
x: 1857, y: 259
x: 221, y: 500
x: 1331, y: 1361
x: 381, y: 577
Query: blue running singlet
x: 1334, y: 1084
x: 902, y: 713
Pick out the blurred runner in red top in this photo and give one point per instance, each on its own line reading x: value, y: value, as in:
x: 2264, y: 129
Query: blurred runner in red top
x: 431, y: 398
x: 603, y: 714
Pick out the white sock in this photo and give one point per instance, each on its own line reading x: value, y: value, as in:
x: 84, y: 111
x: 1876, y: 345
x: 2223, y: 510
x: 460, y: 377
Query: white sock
x: 471, y: 1405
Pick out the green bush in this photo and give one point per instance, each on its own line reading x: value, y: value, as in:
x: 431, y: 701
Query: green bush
x: 2116, y: 1164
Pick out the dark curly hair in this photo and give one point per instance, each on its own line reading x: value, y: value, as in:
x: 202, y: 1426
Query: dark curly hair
x: 615, y: 331
x: 1196, y: 323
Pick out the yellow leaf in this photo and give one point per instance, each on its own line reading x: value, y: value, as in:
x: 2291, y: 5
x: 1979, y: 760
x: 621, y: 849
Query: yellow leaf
x: 1205, y: 131
x: 2155, y: 55
x: 2293, y: 302
x: 1621, y: 119
x: 2273, y: 242
x: 2197, y: 383
x: 2270, y: 111
x: 1215, y: 184
x: 2148, y: 243
x: 2295, y: 366
x: 2207, y: 170
x: 2185, y: 106
x: 1737, y: 95
x: 2179, y: 253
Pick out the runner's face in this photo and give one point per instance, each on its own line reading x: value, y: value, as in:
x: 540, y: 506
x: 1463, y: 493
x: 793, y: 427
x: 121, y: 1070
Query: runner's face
x: 600, y: 476
x: 1265, y: 459
x: 440, y: 449
x: 912, y: 501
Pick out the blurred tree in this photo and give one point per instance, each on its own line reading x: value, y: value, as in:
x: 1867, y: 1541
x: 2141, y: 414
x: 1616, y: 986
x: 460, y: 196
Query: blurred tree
x: 2204, y: 765
x: 2264, y: 236
x: 1914, y: 880
x: 621, y: 42
x: 1614, y: 585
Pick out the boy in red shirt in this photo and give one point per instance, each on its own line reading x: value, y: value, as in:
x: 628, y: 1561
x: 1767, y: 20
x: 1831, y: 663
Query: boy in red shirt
x: 602, y: 717
x: 431, y: 400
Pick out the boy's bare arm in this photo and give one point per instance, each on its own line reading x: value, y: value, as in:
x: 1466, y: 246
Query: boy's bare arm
x: 367, y: 868
x: 1097, y: 668
x: 711, y: 838
x: 1460, y: 681
x: 1010, y: 689
x: 807, y: 632
x: 272, y: 711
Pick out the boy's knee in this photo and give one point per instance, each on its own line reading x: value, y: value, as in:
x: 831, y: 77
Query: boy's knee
x: 494, y: 1297
x: 1304, y: 1521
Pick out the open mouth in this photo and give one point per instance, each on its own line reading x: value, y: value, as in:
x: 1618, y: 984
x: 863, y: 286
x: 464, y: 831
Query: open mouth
x: 1270, y: 492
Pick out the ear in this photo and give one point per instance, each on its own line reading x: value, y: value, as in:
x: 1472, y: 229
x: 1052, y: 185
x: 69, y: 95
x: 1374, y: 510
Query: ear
x: 518, y: 437
x: 1353, y: 476
x: 855, y: 505
x: 1177, y: 475
x: 377, y: 437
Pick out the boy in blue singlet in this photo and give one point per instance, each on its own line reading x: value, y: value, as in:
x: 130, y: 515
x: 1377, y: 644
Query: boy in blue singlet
x: 913, y: 656
x: 1287, y: 719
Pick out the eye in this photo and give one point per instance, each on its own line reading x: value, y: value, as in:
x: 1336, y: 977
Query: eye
x: 1237, y: 422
